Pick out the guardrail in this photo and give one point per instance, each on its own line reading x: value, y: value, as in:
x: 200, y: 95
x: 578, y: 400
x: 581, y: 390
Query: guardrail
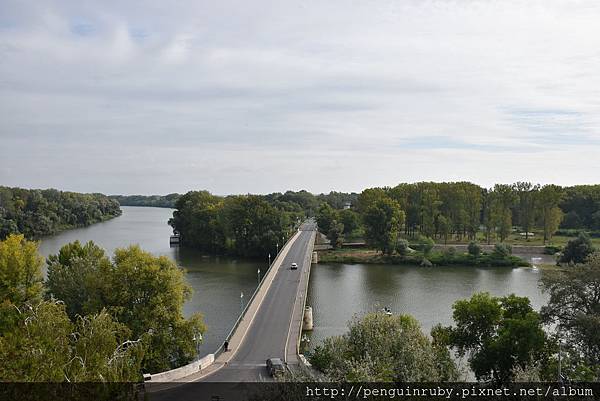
x: 202, y: 363
x: 220, y: 350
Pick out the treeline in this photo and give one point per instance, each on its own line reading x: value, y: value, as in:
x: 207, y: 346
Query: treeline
x: 461, y: 210
x: 94, y: 319
x: 35, y: 212
x: 147, y: 200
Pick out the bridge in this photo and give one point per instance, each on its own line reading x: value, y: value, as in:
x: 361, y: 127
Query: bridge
x: 269, y: 327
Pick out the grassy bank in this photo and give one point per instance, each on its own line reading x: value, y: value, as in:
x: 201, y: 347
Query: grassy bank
x: 370, y: 256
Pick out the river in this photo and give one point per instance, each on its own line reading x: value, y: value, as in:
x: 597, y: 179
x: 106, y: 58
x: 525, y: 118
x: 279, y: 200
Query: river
x: 336, y: 292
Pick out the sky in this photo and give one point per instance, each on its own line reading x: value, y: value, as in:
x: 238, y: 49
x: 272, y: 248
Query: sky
x: 154, y: 97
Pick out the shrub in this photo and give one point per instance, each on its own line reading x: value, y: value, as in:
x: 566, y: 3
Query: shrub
x: 577, y: 250
x: 502, y: 250
x: 474, y: 249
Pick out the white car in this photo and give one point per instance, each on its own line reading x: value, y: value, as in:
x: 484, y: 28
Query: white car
x: 294, y: 266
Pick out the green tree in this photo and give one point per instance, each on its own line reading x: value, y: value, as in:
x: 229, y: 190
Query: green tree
x: 502, y: 200
x: 577, y: 250
x: 384, y: 348
x: 326, y: 215
x: 527, y: 196
x: 38, y: 343
x: 383, y: 221
x: 550, y: 214
x: 499, y: 335
x: 443, y: 227
x: 20, y: 270
x: 78, y: 275
x: 351, y: 221
x: 336, y: 234
x: 143, y: 292
x: 574, y: 308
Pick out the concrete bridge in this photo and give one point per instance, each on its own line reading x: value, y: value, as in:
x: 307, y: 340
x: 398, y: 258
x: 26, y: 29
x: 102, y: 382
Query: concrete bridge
x: 269, y: 327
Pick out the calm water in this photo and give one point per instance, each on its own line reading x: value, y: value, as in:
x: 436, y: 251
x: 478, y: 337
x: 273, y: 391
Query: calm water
x: 217, y: 282
x: 336, y: 292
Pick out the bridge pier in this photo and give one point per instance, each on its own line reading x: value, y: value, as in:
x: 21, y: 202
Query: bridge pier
x: 308, y: 319
x: 315, y: 257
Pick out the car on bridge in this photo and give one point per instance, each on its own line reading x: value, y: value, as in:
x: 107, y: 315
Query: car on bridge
x: 294, y: 266
x: 275, y: 367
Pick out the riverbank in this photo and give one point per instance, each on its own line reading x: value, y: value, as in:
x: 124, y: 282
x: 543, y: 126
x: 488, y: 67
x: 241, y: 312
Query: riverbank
x: 435, y: 258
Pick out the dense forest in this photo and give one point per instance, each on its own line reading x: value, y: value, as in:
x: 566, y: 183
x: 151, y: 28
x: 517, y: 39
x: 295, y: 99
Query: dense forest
x: 147, y: 200
x: 39, y: 212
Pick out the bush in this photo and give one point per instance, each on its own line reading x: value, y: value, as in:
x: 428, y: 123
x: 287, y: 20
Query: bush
x: 502, y: 250
x: 474, y: 249
x: 577, y: 250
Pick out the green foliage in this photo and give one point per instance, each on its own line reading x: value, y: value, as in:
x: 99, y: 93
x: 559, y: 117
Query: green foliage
x: 577, y: 250
x: 384, y: 348
x: 383, y: 221
x: 247, y: 225
x: 335, y: 234
x: 41, y: 344
x: 551, y: 215
x: 326, y: 215
x: 78, y: 275
x: 574, y: 307
x: 474, y: 249
x: 350, y: 219
x: 499, y: 335
x: 20, y: 270
x: 143, y: 292
x: 502, y: 250
x: 36, y: 213
x: 147, y: 200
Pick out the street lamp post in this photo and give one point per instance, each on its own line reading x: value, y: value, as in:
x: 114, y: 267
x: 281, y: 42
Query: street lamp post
x: 269, y: 259
x: 277, y: 248
x: 242, y: 301
x: 258, y: 274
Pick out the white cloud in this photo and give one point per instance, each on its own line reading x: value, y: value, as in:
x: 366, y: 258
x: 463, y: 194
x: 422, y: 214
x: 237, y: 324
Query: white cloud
x: 152, y: 98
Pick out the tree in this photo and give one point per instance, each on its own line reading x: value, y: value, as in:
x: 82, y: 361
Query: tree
x: 335, y: 234
x: 20, y: 270
x: 78, y: 275
x: 41, y: 344
x: 502, y: 200
x: 350, y: 220
x: 143, y: 292
x: 527, y: 195
x: 550, y: 214
x: 430, y: 204
x: 384, y: 348
x: 577, y: 250
x: 443, y: 227
x: 574, y: 308
x: 499, y: 335
x: 326, y: 215
x: 383, y: 221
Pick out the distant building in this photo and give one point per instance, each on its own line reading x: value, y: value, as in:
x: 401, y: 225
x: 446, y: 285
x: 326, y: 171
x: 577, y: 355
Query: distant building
x: 347, y: 205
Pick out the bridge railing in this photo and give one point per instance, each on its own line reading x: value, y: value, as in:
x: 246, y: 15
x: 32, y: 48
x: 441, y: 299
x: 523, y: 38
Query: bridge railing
x: 220, y: 350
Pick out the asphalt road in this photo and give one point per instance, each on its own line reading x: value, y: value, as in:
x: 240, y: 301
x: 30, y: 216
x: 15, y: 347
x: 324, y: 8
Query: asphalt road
x: 269, y: 331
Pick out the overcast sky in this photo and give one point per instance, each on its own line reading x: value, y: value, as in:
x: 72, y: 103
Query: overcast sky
x: 237, y: 96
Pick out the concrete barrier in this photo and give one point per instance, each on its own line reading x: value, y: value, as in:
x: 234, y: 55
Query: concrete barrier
x: 183, y: 371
